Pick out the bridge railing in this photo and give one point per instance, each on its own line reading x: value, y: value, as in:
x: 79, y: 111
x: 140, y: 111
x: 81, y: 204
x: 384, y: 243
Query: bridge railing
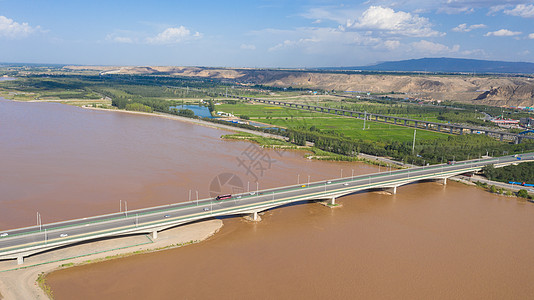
x: 373, y: 181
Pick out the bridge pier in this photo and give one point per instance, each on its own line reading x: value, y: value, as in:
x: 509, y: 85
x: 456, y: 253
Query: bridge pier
x: 443, y: 181
x: 331, y: 201
x: 254, y: 217
x: 20, y: 260
x: 154, y: 234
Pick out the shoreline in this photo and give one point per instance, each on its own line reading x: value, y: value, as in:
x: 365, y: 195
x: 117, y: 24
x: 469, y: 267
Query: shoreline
x: 29, y: 281
x: 191, y: 121
x: 363, y: 158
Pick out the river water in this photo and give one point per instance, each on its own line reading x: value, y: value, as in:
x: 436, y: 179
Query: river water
x: 427, y: 241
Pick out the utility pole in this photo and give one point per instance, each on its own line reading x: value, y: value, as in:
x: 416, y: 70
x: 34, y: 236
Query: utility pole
x: 413, y: 147
x: 39, y: 221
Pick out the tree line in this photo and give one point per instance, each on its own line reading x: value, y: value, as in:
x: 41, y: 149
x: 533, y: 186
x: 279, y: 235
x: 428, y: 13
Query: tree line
x: 523, y: 172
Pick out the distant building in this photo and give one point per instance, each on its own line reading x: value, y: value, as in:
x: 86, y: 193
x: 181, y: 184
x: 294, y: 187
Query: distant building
x: 504, y: 121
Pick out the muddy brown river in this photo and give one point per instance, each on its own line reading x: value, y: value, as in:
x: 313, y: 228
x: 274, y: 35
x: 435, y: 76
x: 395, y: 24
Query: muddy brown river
x: 429, y: 241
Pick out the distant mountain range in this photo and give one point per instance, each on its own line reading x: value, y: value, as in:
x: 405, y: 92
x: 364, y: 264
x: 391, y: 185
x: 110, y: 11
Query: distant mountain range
x: 448, y: 65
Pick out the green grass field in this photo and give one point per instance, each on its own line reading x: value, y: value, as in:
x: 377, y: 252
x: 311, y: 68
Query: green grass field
x: 349, y: 127
x: 353, y: 128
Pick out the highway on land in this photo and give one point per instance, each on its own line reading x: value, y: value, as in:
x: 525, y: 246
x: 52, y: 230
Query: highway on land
x: 253, y: 201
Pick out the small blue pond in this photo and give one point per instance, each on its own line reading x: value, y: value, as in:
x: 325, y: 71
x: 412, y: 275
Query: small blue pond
x: 201, y: 111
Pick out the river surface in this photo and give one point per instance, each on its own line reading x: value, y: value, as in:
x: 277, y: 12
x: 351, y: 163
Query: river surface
x: 67, y: 162
x: 429, y: 241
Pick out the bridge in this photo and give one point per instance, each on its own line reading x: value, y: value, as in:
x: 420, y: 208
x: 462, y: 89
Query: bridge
x: 23, y: 242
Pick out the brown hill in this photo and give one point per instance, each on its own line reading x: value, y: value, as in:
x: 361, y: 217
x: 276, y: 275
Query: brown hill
x: 495, y: 90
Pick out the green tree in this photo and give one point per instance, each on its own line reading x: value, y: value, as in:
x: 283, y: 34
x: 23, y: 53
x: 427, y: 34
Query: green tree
x: 523, y: 194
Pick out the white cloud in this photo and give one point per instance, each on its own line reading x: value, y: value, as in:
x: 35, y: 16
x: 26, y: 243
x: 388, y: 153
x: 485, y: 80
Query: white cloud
x: 464, y: 28
x: 434, y: 48
x: 391, y: 45
x: 477, y: 26
x: 461, y: 28
x: 531, y: 36
x: 248, y: 47
x: 123, y: 39
x: 475, y: 52
x: 173, y: 35
x: 384, y: 19
x: 11, y: 29
x: 290, y: 44
x: 450, y: 6
x: 316, y: 39
x: 503, y: 32
x: 521, y: 10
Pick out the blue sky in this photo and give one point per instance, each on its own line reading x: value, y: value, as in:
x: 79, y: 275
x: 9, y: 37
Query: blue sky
x: 267, y: 33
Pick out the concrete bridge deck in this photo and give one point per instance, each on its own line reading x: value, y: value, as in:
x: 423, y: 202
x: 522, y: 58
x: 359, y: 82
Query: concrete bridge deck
x: 23, y: 242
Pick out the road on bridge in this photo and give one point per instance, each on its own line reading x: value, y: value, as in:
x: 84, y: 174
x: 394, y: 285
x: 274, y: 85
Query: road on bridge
x: 73, y: 231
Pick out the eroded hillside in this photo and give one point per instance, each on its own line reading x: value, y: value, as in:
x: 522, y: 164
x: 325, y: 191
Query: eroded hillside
x: 498, y: 91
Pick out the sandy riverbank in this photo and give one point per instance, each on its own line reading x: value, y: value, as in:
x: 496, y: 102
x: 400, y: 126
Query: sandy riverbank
x: 20, y: 282
x: 193, y: 121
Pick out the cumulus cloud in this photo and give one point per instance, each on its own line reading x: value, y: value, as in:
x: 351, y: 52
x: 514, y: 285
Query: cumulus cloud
x: 531, y: 36
x: 503, y: 32
x: 521, y: 10
x: 11, y: 29
x: 173, y: 35
x: 450, y: 6
x: 464, y: 28
x: 384, y: 19
x: 248, y: 47
x: 434, y: 48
